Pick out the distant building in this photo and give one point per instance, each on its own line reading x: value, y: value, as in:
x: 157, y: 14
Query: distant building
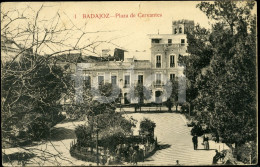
x: 119, y: 54
x: 11, y: 50
x: 165, y: 51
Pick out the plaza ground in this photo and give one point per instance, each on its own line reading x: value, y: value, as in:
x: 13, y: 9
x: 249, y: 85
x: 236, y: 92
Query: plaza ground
x: 171, y: 130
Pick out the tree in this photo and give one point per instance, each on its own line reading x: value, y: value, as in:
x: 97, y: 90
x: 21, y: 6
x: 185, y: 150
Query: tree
x: 33, y: 83
x: 173, y: 99
x: 229, y: 58
x: 29, y: 98
x: 200, y: 54
x: 139, y: 93
x: 83, y: 134
x: 112, y: 128
x: 147, y: 127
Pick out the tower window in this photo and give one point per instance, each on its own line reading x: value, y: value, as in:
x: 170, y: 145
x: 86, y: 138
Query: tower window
x: 172, y: 62
x: 158, y: 61
x: 175, y: 30
x: 182, y: 42
x: 169, y: 42
x: 155, y: 40
x: 180, y: 30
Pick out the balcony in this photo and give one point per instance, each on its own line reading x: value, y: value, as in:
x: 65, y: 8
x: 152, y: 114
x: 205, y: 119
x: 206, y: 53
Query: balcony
x: 158, y: 84
x: 126, y: 85
x: 172, y: 65
x: 182, y: 47
x: 170, y: 45
x: 158, y: 65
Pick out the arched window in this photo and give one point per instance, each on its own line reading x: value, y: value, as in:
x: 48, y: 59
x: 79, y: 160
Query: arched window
x: 180, y: 30
x: 175, y: 30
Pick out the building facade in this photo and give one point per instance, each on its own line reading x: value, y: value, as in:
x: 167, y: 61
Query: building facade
x: 11, y: 50
x: 165, y: 51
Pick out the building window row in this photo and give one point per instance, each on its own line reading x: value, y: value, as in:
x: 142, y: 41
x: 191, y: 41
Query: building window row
x: 158, y: 63
x: 158, y: 80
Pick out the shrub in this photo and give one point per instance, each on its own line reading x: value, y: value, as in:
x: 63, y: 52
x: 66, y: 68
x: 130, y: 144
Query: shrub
x: 83, y: 134
x: 39, y: 129
x: 185, y: 107
x: 112, y: 140
x: 147, y: 126
x: 244, y: 151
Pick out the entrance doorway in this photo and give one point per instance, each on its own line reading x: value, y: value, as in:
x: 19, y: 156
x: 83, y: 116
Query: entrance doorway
x: 125, y: 98
x: 158, y: 99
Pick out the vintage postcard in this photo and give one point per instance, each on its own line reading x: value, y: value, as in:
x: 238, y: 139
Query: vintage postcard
x: 129, y: 83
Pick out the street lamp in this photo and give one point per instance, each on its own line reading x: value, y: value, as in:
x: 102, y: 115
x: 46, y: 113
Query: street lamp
x: 97, y: 146
x: 97, y: 130
x: 189, y: 108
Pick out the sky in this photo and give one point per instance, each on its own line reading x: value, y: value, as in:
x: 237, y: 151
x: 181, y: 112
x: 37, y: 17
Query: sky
x: 130, y: 33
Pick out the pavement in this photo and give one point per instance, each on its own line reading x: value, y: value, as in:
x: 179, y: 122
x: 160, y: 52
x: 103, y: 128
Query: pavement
x: 176, y: 142
x: 171, y: 130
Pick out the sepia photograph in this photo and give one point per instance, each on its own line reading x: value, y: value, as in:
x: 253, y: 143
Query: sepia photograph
x: 134, y: 83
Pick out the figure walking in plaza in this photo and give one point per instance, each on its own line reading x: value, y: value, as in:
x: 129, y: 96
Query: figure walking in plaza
x: 206, y: 142
x: 195, y: 141
x: 217, y: 138
x: 216, y: 157
x: 131, y: 151
x: 134, y: 157
x: 142, y: 151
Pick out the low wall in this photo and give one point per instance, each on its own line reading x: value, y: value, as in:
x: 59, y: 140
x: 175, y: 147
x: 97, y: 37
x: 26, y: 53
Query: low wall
x: 85, y: 154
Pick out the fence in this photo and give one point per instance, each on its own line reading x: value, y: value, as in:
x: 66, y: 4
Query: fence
x: 85, y: 154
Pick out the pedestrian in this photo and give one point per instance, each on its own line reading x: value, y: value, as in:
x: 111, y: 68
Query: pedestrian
x: 103, y: 160
x: 206, y: 142
x: 195, y: 141
x: 136, y: 147
x: 134, y: 157
x: 131, y: 151
x: 216, y: 157
x: 118, y: 153
x: 125, y: 152
x: 108, y: 160
x: 142, y: 151
x: 217, y: 138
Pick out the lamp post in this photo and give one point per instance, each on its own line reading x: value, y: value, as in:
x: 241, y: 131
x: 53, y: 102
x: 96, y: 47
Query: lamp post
x: 189, y: 108
x: 97, y: 146
x: 120, y: 98
x: 97, y: 130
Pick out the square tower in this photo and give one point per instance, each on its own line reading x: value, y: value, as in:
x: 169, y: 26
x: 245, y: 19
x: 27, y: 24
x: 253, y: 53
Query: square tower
x: 166, y: 48
x: 182, y: 26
